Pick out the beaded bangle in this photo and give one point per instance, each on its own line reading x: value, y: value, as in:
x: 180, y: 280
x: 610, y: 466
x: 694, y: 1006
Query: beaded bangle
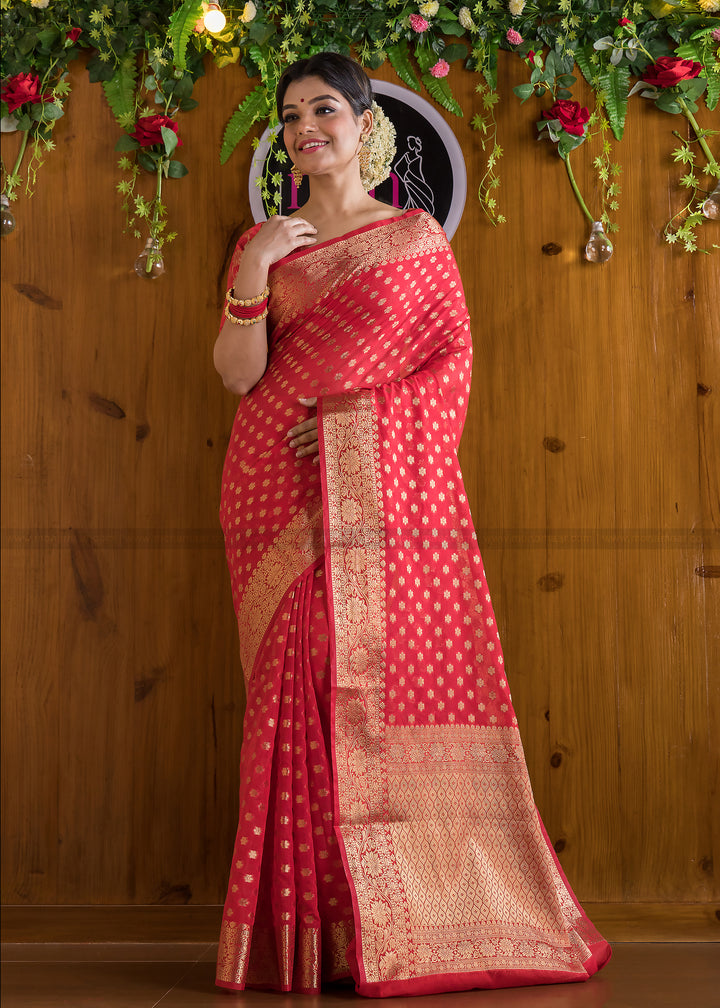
x: 246, y: 313
x: 245, y: 321
x: 246, y: 302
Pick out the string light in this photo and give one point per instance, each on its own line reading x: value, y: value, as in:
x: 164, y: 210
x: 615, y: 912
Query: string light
x: 214, y: 18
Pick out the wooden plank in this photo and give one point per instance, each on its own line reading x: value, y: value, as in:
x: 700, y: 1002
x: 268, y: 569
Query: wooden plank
x: 618, y: 922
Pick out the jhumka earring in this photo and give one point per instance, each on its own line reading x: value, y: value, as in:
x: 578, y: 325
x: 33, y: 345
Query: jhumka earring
x: 297, y: 176
x: 364, y: 155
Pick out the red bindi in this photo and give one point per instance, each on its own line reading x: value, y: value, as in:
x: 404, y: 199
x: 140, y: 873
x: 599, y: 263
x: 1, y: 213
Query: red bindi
x: 302, y: 99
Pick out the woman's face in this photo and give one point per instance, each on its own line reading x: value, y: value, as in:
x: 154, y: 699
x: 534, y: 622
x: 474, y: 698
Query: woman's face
x: 321, y: 132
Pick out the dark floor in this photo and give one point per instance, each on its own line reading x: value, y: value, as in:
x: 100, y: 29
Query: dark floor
x: 640, y: 975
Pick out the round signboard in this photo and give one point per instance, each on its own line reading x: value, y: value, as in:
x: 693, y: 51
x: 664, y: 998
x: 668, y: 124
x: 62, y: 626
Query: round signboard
x: 428, y: 171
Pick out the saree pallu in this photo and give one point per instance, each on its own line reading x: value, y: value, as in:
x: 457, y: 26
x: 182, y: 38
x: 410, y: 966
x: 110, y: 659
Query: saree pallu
x: 387, y: 824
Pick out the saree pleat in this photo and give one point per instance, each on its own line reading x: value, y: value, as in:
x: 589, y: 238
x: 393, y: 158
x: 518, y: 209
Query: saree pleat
x: 288, y: 928
x: 387, y: 825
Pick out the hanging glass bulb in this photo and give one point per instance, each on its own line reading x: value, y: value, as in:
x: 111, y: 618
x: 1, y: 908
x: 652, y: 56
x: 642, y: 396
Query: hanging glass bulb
x: 599, y: 247
x: 711, y: 206
x: 149, y: 264
x: 214, y: 18
x: 7, y: 218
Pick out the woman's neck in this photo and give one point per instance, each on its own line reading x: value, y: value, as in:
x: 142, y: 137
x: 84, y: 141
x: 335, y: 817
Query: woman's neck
x: 335, y: 199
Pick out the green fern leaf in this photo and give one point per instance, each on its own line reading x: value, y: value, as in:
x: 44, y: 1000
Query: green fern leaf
x: 399, y: 56
x: 582, y: 58
x: 440, y: 91
x: 615, y: 83
x: 689, y: 50
x: 713, y: 86
x: 120, y: 89
x: 180, y: 29
x: 254, y: 107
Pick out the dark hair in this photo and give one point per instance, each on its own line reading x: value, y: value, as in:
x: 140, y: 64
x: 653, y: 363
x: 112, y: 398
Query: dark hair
x: 340, y: 72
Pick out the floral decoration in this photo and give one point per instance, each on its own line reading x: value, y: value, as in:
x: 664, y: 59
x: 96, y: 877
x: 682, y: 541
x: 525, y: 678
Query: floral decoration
x: 148, y: 54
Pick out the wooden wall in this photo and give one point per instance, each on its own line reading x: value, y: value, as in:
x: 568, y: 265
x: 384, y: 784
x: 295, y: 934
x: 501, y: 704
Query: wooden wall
x: 591, y: 461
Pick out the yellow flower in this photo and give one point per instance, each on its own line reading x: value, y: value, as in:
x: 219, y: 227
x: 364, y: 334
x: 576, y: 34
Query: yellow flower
x: 709, y: 6
x: 429, y: 9
x: 249, y: 12
x: 41, y: 4
x: 516, y: 7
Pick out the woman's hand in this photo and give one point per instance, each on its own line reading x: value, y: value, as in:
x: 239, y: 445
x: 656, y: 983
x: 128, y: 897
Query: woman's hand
x: 278, y: 237
x: 304, y: 436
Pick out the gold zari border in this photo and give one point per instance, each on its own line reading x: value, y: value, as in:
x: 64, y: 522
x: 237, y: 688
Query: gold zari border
x: 442, y: 840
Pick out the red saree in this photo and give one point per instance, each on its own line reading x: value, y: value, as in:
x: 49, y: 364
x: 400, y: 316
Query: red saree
x: 387, y: 825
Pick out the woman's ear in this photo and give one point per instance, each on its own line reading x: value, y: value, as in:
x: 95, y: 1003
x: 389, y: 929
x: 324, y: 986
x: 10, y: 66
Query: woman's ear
x: 366, y: 121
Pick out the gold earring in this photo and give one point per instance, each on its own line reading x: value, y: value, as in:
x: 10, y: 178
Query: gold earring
x: 297, y: 176
x: 364, y: 156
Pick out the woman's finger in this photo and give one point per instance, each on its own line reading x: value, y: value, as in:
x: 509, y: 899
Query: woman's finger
x: 311, y: 449
x: 300, y: 428
x: 303, y: 439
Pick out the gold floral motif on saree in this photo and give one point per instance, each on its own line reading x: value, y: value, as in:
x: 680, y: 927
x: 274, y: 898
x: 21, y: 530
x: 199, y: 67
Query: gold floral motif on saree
x: 441, y: 837
x: 296, y: 547
x: 302, y: 281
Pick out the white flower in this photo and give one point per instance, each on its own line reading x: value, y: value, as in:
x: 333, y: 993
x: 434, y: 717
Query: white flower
x: 379, y: 150
x: 465, y: 18
x: 41, y: 4
x: 429, y: 9
x: 516, y: 7
x: 249, y: 12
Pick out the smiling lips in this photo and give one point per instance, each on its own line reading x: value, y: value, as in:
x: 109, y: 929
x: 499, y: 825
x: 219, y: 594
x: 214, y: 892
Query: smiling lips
x: 312, y: 145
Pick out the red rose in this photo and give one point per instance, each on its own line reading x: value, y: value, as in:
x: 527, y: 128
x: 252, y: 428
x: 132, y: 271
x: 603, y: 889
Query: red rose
x: 571, y: 115
x: 625, y: 21
x: 22, y: 88
x: 670, y: 70
x: 74, y: 34
x: 147, y: 130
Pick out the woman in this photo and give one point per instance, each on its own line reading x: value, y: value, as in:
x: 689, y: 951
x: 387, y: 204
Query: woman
x: 387, y: 828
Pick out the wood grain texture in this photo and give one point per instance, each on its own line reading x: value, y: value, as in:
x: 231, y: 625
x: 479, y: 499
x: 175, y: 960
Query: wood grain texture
x: 619, y: 922
x: 590, y: 459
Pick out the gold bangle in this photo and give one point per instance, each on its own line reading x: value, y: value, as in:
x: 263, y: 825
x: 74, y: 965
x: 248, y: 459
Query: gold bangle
x: 245, y: 321
x: 247, y: 302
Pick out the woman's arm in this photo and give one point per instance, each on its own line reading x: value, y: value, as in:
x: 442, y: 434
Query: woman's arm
x: 241, y: 351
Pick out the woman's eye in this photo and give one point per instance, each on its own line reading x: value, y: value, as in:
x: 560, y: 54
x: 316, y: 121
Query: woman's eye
x: 324, y: 109
x: 290, y: 117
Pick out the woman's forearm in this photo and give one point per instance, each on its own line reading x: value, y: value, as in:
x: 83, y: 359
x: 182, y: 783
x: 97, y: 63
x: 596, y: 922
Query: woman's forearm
x: 240, y: 353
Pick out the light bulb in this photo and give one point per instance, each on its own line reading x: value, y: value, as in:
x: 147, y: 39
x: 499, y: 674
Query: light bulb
x: 214, y: 19
x: 711, y: 206
x: 7, y: 218
x: 599, y: 247
x: 149, y: 264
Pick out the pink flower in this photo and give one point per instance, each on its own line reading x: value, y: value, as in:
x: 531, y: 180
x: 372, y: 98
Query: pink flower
x: 441, y: 69
x: 513, y: 37
x: 715, y: 35
x: 624, y: 21
x: 418, y: 23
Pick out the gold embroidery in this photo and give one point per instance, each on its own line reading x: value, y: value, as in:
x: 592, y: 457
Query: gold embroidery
x: 233, y: 952
x: 298, y: 546
x: 443, y: 843
x: 309, y: 952
x: 306, y: 280
x: 335, y: 947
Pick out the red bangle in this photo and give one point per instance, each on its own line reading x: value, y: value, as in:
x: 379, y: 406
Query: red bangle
x: 246, y: 312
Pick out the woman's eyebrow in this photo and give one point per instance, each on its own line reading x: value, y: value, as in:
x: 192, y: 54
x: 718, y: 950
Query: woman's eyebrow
x: 322, y: 97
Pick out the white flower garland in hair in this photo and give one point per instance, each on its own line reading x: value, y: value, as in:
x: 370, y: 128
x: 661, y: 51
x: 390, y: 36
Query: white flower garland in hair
x: 378, y: 150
